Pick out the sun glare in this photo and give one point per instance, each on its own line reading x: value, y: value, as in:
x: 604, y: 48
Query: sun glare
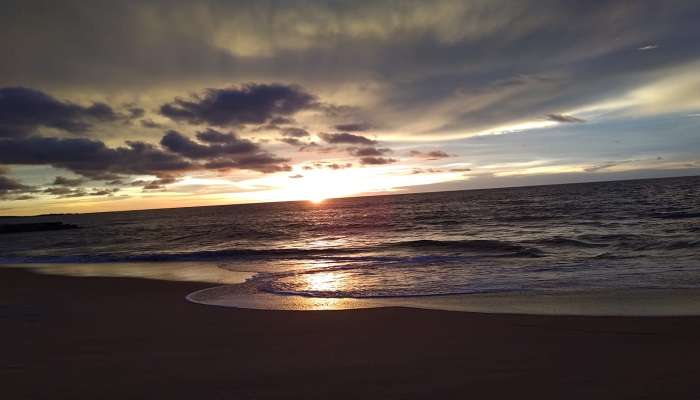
x: 316, y: 186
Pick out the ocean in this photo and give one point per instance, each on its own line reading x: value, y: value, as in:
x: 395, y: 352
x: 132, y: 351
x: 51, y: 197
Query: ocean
x: 642, y: 234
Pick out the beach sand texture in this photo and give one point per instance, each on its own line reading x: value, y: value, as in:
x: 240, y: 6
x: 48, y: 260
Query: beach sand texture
x: 68, y: 337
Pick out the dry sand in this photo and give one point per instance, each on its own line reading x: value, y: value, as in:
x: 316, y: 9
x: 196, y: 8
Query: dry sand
x: 104, y: 338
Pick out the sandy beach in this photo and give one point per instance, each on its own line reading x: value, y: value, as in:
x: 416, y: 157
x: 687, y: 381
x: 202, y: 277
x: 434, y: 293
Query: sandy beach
x: 68, y: 337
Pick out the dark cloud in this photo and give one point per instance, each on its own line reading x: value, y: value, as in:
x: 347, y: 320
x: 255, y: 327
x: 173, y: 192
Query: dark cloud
x: 346, y: 138
x: 460, y: 170
x: 261, y: 162
x: 294, y: 132
x: 354, y: 127
x: 292, y: 141
x: 180, y: 144
x: 63, y: 181
x: 281, y: 121
x: 252, y: 103
x: 63, y: 192
x: 225, y: 151
x: 430, y: 155
x: 367, y: 151
x: 296, y: 176
x: 91, y: 158
x: 156, y: 184
x: 104, y: 192
x: 94, y: 160
x: 135, y: 112
x: 214, y: 136
x: 568, y: 119
x: 338, y: 166
x: 600, y: 167
x: 149, y: 123
x: 23, y: 110
x: 327, y: 165
x: 11, y: 187
x: 376, y: 160
x: 317, y: 148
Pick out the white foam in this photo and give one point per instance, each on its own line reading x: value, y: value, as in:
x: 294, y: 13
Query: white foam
x: 592, y: 303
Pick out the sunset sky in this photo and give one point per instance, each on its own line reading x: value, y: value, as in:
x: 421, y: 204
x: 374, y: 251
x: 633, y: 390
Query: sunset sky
x: 110, y: 105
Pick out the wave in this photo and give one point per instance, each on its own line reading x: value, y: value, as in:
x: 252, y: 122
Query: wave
x: 675, y: 215
x: 472, y: 245
x: 562, y: 241
x: 477, y: 247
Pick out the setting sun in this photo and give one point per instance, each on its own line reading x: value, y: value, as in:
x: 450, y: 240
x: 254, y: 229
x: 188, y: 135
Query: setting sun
x: 316, y: 200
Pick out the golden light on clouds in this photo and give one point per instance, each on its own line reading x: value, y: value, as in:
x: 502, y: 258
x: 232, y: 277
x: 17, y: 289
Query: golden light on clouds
x: 319, y: 184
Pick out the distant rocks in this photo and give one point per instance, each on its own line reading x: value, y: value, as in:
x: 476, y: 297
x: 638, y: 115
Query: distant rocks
x: 35, y: 227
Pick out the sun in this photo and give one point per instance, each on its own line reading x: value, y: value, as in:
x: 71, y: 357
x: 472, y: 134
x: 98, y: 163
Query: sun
x: 316, y: 199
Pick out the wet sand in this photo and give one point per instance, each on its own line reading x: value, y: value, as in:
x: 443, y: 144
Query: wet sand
x: 69, y: 337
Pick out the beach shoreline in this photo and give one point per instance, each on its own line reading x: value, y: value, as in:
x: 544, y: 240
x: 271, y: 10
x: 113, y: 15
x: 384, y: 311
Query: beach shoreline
x: 70, y: 337
x: 238, y: 289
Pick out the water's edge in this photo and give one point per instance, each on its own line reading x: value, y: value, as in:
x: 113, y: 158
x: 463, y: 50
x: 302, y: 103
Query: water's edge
x: 639, y: 303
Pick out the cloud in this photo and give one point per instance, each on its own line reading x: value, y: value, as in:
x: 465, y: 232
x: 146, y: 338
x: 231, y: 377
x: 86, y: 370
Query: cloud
x: 10, y: 187
x: 292, y: 141
x: 134, y: 112
x: 252, y: 103
x: 600, y: 167
x: 63, y: 181
x: 346, y: 138
x: 214, y: 136
x: 564, y: 118
x: 157, y: 184
x: 150, y: 124
x: 221, y: 145
x: 354, y: 127
x: 91, y: 158
x: 294, y: 132
x: 23, y: 110
x: 328, y: 165
x: 376, y: 160
x: 63, y: 192
x: 417, y: 171
x: 648, y: 47
x: 296, y: 176
x: 368, y: 151
x: 224, y: 151
x: 261, y: 162
x: 430, y: 155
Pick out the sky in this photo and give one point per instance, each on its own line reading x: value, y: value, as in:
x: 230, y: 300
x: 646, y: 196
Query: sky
x: 108, y: 105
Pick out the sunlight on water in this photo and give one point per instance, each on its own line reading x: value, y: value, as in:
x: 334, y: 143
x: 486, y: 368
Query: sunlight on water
x: 323, y: 282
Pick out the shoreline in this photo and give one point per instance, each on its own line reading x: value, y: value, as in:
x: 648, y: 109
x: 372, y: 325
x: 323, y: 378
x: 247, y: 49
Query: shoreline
x: 226, y: 288
x: 133, y: 338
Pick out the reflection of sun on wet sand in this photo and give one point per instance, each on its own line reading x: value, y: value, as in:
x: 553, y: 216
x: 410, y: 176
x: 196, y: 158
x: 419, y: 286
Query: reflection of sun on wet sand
x: 116, y: 338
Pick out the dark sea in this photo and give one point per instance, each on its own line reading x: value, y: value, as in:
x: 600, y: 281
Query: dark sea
x: 642, y: 234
